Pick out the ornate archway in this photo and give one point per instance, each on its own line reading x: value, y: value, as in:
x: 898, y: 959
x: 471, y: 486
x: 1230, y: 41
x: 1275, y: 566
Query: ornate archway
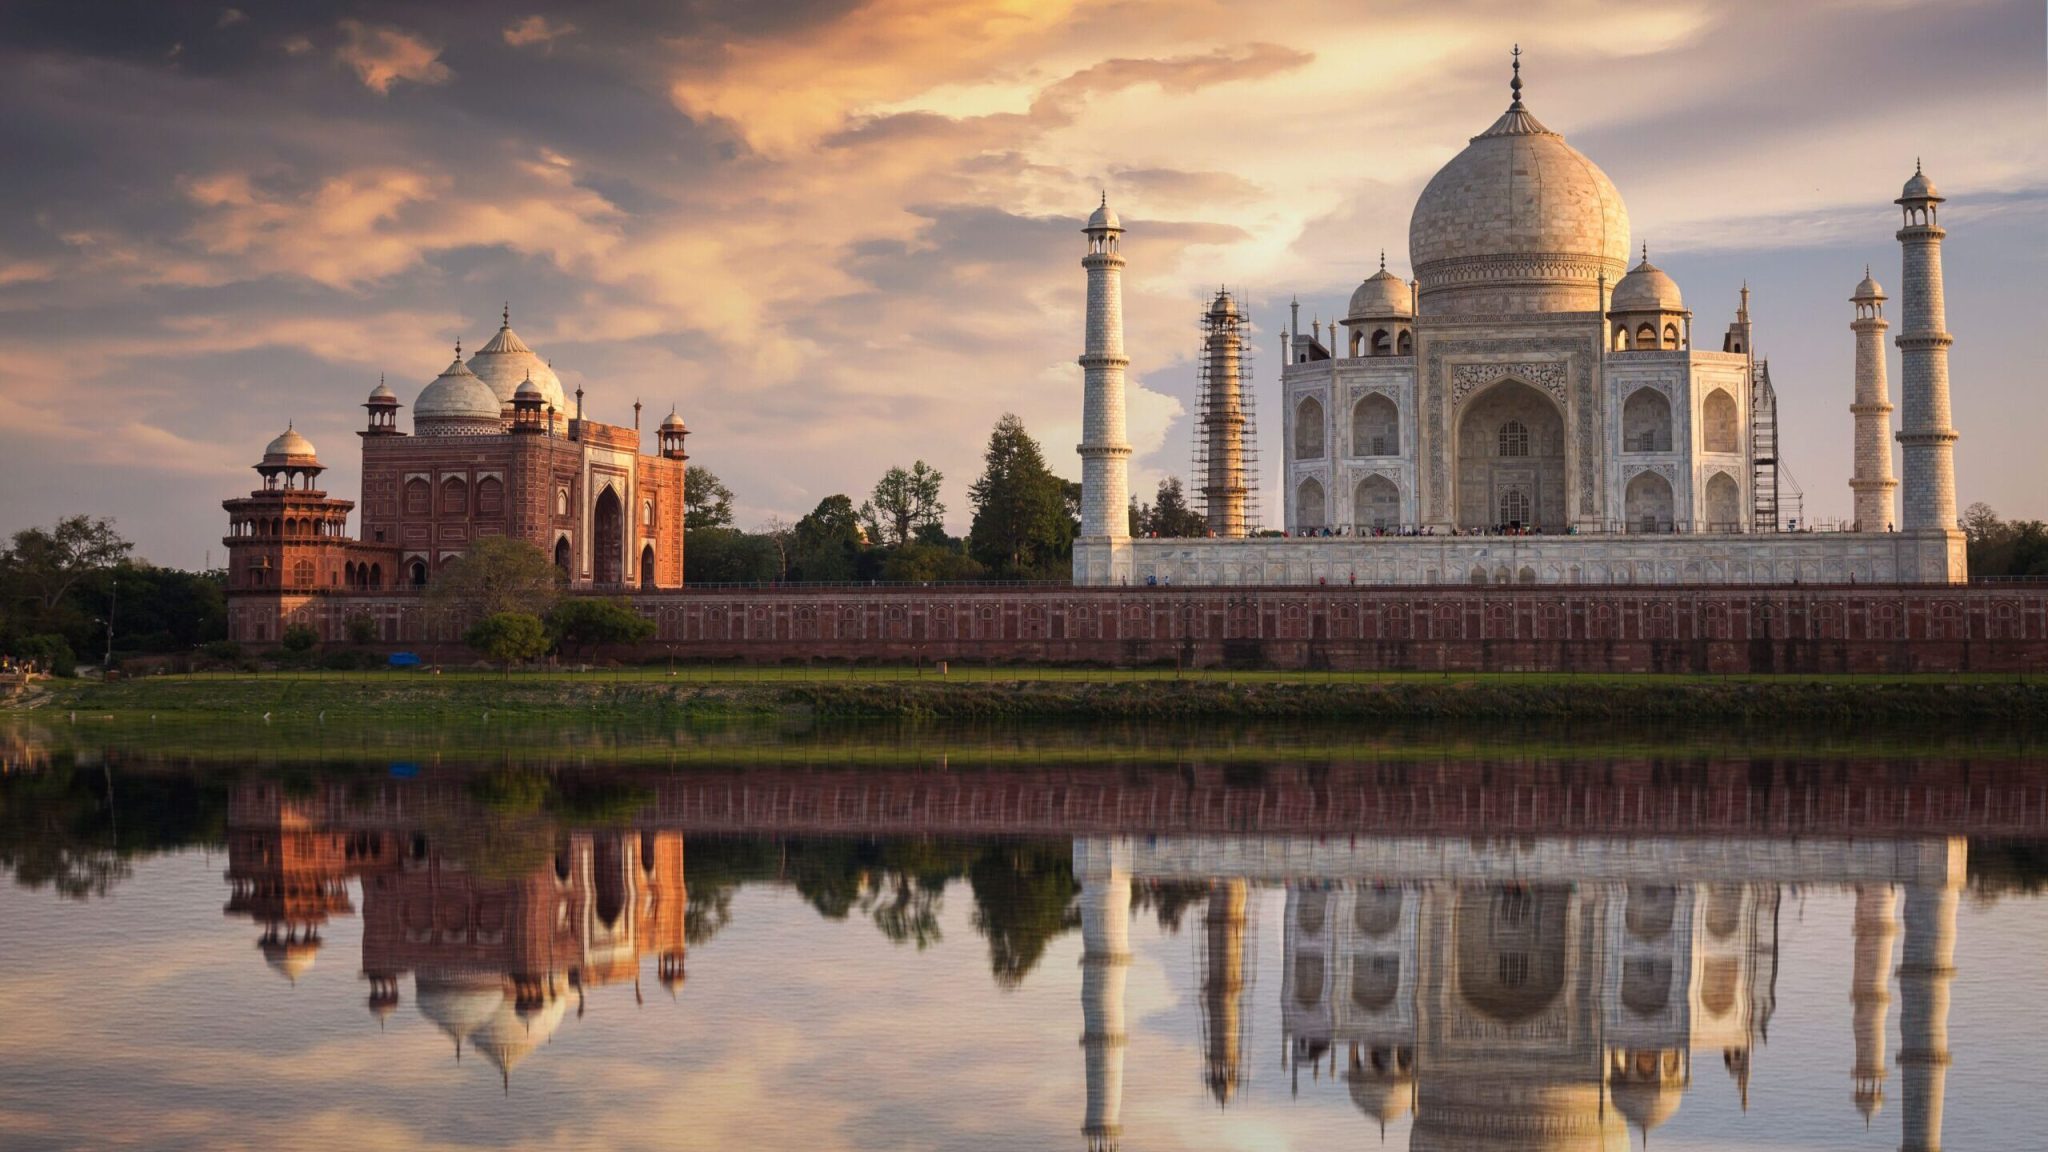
x: 607, y: 528
x: 1510, y: 456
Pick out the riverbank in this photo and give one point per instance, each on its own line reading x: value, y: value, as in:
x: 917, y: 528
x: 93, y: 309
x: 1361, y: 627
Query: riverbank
x: 2000, y: 703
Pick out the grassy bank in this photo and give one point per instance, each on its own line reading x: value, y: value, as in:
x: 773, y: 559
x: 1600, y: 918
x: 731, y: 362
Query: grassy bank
x: 1952, y: 703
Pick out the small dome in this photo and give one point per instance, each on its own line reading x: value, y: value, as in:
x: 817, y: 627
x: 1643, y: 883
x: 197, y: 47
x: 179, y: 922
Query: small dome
x: 1223, y: 305
x: 1384, y: 1098
x: 673, y: 423
x: 1381, y: 296
x: 290, y: 959
x: 510, y: 1034
x: 382, y: 394
x: 457, y: 396
x: 529, y: 390
x: 1647, y: 288
x: 458, y: 1003
x: 1104, y: 218
x: 1919, y: 187
x: 1647, y: 1105
x: 288, y: 447
x: 506, y: 362
x: 1868, y: 288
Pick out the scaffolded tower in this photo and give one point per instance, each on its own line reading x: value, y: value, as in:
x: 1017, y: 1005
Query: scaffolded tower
x: 1226, y: 432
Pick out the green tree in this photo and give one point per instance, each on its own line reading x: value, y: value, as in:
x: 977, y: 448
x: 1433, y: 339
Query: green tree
x: 587, y: 622
x: 729, y: 556
x: 498, y: 574
x: 1023, y: 900
x: 1170, y: 514
x: 825, y: 545
x: 930, y: 564
x: 509, y: 637
x: 1023, y: 524
x: 903, y: 503
x: 2004, y: 547
x: 361, y: 629
x: 707, y: 502
x: 299, y: 638
x: 44, y: 564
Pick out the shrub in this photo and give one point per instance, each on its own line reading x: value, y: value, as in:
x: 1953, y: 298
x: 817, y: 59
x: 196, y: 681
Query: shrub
x: 587, y: 623
x: 351, y: 660
x: 361, y: 629
x: 509, y: 637
x: 299, y: 638
x: 226, y: 650
x: 49, y: 652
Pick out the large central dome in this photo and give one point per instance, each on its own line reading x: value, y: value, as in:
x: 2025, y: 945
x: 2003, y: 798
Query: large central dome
x: 1518, y: 222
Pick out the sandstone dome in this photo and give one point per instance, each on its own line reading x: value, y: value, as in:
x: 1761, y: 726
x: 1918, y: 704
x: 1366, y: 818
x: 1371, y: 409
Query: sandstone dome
x: 1519, y: 221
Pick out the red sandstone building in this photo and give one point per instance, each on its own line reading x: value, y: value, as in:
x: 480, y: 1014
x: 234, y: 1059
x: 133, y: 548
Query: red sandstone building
x: 494, y: 450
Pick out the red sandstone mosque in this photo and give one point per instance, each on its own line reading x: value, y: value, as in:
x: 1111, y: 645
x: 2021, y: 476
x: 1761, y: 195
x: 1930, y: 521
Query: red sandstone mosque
x: 494, y: 449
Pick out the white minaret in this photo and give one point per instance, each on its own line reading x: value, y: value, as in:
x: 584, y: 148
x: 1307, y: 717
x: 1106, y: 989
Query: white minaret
x: 1103, y: 868
x: 1925, y: 971
x: 1872, y: 482
x: 1105, y: 453
x: 1870, y: 991
x: 1923, y: 342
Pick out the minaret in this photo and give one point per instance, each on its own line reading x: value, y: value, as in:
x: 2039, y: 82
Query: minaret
x: 1872, y: 482
x: 1223, y: 988
x: 1923, y: 342
x: 1222, y: 416
x: 1103, y: 868
x: 1105, y: 453
x: 1925, y: 971
x: 1870, y: 991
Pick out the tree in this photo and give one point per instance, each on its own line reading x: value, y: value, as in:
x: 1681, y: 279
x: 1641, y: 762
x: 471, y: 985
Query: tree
x: 1170, y: 515
x: 45, y: 564
x: 730, y: 556
x: 920, y: 563
x: 825, y: 545
x: 1023, y: 899
x: 361, y: 629
x: 590, y: 622
x: 509, y: 637
x: 707, y: 502
x: 498, y: 574
x: 904, y: 503
x: 298, y: 638
x: 1022, y: 519
x: 2004, y: 547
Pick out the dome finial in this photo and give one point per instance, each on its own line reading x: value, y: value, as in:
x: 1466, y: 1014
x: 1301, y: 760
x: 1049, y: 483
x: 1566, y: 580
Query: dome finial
x: 1916, y: 167
x: 1646, y: 251
x: 506, y: 315
x: 458, y: 349
x: 1515, y: 85
x: 1105, y: 196
x: 1383, y: 259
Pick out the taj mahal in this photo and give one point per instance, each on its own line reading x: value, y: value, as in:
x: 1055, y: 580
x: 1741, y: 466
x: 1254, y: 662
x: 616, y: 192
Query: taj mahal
x: 1528, y: 408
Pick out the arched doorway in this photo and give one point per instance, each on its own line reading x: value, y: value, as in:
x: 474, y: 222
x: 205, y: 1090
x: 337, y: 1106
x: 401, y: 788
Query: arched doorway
x: 1510, y: 458
x: 647, y: 566
x: 1512, y: 941
x: 416, y: 572
x: 1647, y: 503
x: 1308, y: 504
x: 1720, y: 423
x: 1375, y: 504
x: 1724, y: 503
x: 563, y: 558
x: 1376, y: 427
x: 608, y: 535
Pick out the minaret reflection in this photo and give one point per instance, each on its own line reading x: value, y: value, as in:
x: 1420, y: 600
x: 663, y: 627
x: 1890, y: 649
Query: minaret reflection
x: 1870, y: 992
x: 1224, y: 985
x: 1103, y: 869
x: 1925, y: 971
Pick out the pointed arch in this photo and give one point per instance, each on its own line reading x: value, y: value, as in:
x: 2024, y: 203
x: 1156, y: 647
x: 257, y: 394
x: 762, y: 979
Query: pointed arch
x: 1376, y: 426
x: 1308, y: 429
x: 1309, y: 505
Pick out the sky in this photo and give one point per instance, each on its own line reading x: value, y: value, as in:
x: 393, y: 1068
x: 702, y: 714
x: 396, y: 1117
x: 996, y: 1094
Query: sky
x: 841, y: 235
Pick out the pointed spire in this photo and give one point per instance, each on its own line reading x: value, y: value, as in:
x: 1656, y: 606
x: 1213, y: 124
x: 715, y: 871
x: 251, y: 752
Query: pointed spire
x: 1646, y: 251
x: 1105, y: 195
x: 1916, y: 167
x: 1515, y: 85
x: 1383, y: 259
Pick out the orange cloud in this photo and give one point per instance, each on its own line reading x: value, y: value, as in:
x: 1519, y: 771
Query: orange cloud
x: 382, y: 55
x: 535, y: 30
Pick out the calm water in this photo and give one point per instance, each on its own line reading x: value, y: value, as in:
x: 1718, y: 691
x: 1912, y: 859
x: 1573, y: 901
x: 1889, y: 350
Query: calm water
x: 872, y: 945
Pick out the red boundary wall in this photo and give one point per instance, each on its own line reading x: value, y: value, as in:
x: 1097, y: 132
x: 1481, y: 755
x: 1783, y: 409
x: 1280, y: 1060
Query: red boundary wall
x: 1840, y: 628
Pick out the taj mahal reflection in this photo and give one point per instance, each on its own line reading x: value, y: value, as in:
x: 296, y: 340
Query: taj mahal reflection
x: 1522, y: 996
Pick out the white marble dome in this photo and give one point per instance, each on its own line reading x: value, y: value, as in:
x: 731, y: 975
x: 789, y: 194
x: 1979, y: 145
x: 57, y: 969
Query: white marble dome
x: 1104, y: 218
x: 456, y: 403
x: 1647, y: 288
x: 289, y: 447
x: 1868, y: 288
x: 1519, y: 221
x: 1919, y: 188
x: 506, y: 362
x: 1381, y: 296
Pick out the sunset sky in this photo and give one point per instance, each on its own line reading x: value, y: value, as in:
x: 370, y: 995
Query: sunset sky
x: 841, y: 235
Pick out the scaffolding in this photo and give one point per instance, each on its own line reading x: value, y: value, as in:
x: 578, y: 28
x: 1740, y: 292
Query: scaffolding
x: 1226, y: 453
x: 1763, y: 443
x: 1226, y: 969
